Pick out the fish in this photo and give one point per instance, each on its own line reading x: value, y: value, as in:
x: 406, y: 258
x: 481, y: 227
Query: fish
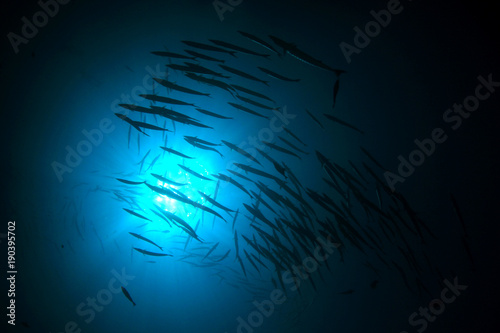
x: 292, y: 145
x: 125, y: 292
x: 242, y: 74
x: 235, y: 217
x: 210, y: 251
x: 168, y: 181
x: 154, y: 254
x: 192, y: 172
x: 212, y: 82
x: 232, y: 181
x: 335, y: 92
x: 208, y: 47
x: 341, y: 122
x: 239, y: 175
x: 292, y: 49
x: 293, y: 135
x: 172, y: 55
x: 257, y: 104
x: 251, y: 92
x: 129, y: 182
x: 195, y: 68
x: 215, y: 203
x: 276, y: 75
x: 315, y: 119
x: 203, y: 56
x: 173, y: 151
x: 243, y: 152
x: 212, y: 114
x: 245, y: 109
x: 223, y: 257
x: 171, y: 85
x: 237, y: 48
x: 259, y: 41
x: 136, y: 214
x: 131, y: 122
x: 281, y: 149
x: 164, y: 99
x: 373, y: 159
x: 204, y: 147
x: 250, y: 169
x: 146, y: 240
x: 196, y: 139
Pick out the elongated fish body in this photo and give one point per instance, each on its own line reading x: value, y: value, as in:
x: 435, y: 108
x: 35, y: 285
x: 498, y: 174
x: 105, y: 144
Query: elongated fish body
x: 170, y: 85
x: 125, y: 292
x: 237, y: 48
x: 192, y: 172
x: 232, y: 146
x: 163, y: 99
x: 251, y: 92
x: 276, y: 75
x: 129, y: 182
x: 242, y: 74
x: 166, y: 180
x: 212, y: 114
x: 247, y: 110
x: 136, y: 214
x: 145, y: 239
x: 170, y: 150
x: 203, y: 56
x: 172, y: 55
x: 259, y: 41
x: 254, y: 103
x: 337, y: 120
x: 208, y: 47
x: 154, y: 254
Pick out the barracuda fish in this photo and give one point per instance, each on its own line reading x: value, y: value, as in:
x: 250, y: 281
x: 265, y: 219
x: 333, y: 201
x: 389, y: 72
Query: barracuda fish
x: 251, y: 92
x: 243, y: 152
x: 258, y: 41
x: 276, y: 75
x: 315, y: 119
x: 170, y: 85
x: 239, y: 175
x: 154, y: 254
x: 131, y: 122
x: 258, y: 172
x: 257, y: 104
x: 242, y: 74
x: 173, y: 151
x: 212, y: 114
x: 129, y: 182
x: 136, y: 214
x: 172, y: 55
x: 292, y: 49
x: 126, y: 293
x: 168, y: 181
x: 195, y: 68
x: 232, y: 181
x: 215, y: 203
x: 193, y: 173
x: 203, y: 56
x: 212, y: 82
x: 245, y: 109
x: 196, y: 139
x: 146, y: 240
x: 337, y: 120
x: 281, y: 149
x: 210, y: 251
x: 292, y: 145
x: 164, y: 99
x: 238, y: 48
x: 204, y: 147
x: 275, y: 163
x: 208, y: 47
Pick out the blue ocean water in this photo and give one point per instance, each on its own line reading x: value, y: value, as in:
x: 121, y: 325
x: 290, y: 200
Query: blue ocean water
x: 67, y: 156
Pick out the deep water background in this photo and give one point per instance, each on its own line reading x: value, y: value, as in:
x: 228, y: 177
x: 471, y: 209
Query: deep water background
x: 69, y: 76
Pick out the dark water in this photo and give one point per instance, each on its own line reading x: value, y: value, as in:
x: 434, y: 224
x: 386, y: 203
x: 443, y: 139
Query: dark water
x: 73, y: 250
